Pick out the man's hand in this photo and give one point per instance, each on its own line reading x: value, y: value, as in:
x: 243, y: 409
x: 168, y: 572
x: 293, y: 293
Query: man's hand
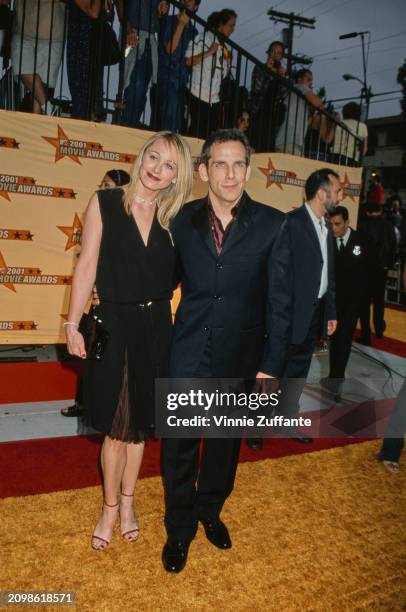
x: 132, y: 38
x: 282, y: 71
x: 183, y: 18
x: 95, y: 297
x: 331, y: 327
x: 212, y: 49
x: 265, y: 383
x: 162, y: 8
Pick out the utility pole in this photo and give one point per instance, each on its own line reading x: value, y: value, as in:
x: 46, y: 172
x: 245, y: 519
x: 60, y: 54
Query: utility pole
x: 302, y: 60
x: 292, y: 21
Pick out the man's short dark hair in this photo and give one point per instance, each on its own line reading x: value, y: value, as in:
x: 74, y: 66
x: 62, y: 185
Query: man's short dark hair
x: 317, y: 180
x: 302, y: 73
x: 373, y: 208
x: 352, y: 110
x: 275, y: 43
x: 220, y: 136
x: 219, y: 18
x: 340, y: 211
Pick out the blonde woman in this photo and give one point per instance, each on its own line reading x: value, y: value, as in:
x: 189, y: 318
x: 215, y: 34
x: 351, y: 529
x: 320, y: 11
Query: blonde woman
x: 127, y: 252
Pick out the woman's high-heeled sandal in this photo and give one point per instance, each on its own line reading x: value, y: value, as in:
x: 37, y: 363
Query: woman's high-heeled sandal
x: 98, y: 538
x: 132, y: 534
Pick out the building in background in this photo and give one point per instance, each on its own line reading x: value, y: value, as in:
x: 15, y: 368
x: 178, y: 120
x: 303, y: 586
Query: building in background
x: 387, y: 152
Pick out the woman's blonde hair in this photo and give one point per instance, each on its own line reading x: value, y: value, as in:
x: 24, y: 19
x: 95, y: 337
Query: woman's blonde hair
x: 171, y: 199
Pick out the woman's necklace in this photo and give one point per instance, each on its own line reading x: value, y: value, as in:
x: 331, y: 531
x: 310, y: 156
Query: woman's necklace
x: 144, y: 201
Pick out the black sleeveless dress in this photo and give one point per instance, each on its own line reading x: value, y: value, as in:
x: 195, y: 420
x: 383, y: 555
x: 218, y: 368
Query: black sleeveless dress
x: 135, y: 284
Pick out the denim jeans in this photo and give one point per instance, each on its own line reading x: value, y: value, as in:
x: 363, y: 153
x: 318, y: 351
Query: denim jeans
x: 135, y: 94
x: 172, y: 104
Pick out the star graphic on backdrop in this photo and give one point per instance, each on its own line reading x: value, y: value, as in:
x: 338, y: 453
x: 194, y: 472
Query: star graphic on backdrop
x: 344, y: 184
x: 5, y: 195
x: 73, y: 232
x: 3, y: 269
x: 27, y: 179
x: 29, y: 236
x: 17, y: 235
x: 266, y: 172
x: 21, y: 326
x: 56, y: 142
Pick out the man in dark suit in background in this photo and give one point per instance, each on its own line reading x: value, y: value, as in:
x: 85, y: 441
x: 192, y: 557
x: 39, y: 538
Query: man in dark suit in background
x: 314, y: 310
x: 233, y: 320
x: 379, y: 238
x: 349, y: 281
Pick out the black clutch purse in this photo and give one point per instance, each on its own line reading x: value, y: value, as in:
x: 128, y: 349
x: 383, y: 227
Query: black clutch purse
x: 94, y: 334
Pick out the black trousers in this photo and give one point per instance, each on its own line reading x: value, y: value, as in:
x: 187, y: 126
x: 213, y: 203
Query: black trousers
x: 375, y: 294
x: 341, y: 340
x: 197, y: 489
x: 298, y: 365
x: 204, y: 118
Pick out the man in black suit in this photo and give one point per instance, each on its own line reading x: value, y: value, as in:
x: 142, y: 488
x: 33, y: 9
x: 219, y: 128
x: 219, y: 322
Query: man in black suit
x: 349, y: 281
x: 379, y: 239
x: 233, y: 320
x: 314, y: 310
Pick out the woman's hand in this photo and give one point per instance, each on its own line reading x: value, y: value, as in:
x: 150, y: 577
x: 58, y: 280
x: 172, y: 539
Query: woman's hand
x: 95, y: 297
x: 75, y: 342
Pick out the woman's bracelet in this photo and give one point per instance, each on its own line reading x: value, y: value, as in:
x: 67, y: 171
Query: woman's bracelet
x: 71, y: 323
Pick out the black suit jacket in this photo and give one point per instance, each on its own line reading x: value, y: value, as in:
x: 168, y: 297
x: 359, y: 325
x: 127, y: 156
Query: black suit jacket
x: 350, y: 270
x: 307, y: 267
x: 241, y: 300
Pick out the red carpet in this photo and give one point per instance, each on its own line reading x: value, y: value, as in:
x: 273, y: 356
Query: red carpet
x: 389, y: 345
x: 57, y: 380
x: 37, y: 382
x: 56, y: 464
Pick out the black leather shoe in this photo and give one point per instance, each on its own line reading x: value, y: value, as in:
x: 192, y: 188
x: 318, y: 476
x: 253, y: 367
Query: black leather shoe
x: 365, y: 340
x: 296, y: 434
x: 217, y: 533
x: 174, y: 555
x: 254, y: 443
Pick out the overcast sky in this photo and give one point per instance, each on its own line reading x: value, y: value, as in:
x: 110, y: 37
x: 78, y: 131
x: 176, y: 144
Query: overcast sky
x: 385, y: 19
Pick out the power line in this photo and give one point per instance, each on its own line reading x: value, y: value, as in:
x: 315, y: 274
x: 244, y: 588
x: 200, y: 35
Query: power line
x: 334, y: 8
x: 259, y: 42
x: 311, y: 6
x: 330, y: 59
x: 267, y: 29
x: 357, y: 46
x: 243, y: 23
